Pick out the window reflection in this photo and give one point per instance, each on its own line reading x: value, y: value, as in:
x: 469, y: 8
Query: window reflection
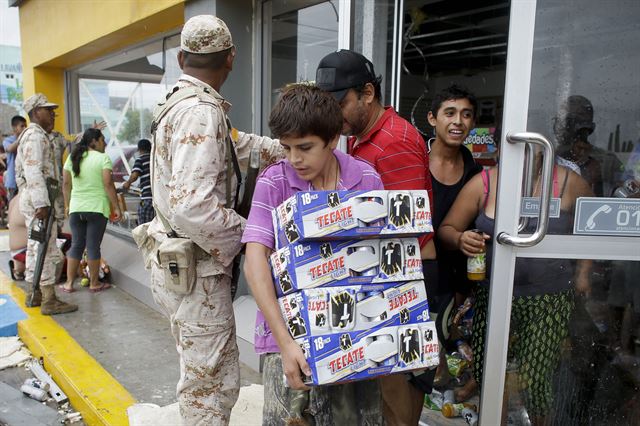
x: 127, y: 108
x: 585, y: 87
x: 300, y: 34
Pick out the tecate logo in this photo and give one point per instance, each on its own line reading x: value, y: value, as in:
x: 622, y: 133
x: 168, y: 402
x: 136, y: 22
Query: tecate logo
x: 352, y: 357
x: 327, y: 267
x: 333, y: 217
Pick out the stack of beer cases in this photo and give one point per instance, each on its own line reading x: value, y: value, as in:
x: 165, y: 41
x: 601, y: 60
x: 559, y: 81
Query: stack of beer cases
x: 348, y: 274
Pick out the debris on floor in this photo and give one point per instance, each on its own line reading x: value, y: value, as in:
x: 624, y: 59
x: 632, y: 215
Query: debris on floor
x: 12, y: 352
x: 246, y: 412
x: 29, y: 395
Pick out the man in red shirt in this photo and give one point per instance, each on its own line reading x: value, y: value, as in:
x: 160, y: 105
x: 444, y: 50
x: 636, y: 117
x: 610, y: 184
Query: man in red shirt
x: 379, y: 136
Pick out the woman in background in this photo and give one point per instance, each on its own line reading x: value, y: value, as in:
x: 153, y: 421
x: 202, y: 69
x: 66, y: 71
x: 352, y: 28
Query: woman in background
x: 89, y: 193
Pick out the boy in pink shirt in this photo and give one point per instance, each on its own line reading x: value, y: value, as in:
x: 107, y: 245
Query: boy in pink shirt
x: 308, y: 122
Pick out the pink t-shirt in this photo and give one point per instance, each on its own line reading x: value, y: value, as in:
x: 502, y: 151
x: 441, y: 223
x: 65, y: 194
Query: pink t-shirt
x: 277, y: 183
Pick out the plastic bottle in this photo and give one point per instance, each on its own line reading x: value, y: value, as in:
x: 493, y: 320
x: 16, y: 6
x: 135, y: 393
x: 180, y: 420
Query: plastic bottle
x: 455, y: 410
x: 434, y: 400
x: 477, y: 265
x: 448, y: 397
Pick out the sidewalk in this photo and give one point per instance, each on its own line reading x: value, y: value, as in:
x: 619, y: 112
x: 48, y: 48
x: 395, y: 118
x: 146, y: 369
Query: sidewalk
x: 111, y: 353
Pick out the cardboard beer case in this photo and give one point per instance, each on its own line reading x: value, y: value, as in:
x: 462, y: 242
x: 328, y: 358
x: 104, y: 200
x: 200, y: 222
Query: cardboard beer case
x: 327, y: 310
x: 343, y: 215
x: 359, y: 355
x: 311, y: 264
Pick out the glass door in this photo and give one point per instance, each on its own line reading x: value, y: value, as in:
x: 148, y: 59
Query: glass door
x: 562, y: 341
x: 296, y: 35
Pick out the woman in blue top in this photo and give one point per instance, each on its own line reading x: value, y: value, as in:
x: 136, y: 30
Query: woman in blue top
x: 89, y: 193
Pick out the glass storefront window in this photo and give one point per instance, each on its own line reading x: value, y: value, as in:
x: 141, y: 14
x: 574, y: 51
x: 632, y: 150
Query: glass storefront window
x: 123, y: 91
x: 587, y: 88
x: 126, y: 107
x: 439, y: 44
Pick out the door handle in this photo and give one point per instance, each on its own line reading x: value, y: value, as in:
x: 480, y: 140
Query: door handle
x: 547, y: 187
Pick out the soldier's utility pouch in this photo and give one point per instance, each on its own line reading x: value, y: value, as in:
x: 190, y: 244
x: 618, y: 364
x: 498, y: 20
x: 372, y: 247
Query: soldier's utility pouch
x: 177, y: 258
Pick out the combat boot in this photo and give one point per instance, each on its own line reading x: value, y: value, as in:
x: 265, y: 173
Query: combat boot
x: 37, y: 298
x: 51, y: 305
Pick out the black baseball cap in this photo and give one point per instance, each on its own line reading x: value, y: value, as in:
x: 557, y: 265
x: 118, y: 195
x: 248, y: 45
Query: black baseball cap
x: 342, y: 70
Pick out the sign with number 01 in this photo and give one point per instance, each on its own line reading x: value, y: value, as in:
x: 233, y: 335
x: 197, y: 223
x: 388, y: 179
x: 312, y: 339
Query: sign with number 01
x: 607, y: 216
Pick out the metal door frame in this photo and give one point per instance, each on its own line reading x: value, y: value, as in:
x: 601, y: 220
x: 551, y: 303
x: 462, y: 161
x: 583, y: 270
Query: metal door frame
x: 512, y: 157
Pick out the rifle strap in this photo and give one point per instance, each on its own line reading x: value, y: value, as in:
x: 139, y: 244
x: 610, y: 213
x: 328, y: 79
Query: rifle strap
x: 232, y: 162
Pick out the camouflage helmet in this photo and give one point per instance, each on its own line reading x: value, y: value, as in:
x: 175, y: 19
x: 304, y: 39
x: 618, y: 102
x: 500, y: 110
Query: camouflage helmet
x: 205, y: 34
x: 37, y: 101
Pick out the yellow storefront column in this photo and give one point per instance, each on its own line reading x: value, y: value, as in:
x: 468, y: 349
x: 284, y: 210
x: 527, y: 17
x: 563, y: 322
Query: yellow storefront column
x: 50, y: 81
x: 58, y: 35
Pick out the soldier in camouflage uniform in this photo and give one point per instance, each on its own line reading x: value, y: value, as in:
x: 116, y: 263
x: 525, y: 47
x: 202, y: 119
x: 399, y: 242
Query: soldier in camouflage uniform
x: 189, y: 184
x: 35, y: 163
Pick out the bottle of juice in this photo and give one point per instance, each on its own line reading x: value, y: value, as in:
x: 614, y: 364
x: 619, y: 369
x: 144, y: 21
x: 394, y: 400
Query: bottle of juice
x: 477, y: 265
x: 455, y: 410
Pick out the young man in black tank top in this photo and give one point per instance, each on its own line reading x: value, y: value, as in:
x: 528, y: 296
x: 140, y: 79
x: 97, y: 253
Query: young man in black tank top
x: 452, y: 117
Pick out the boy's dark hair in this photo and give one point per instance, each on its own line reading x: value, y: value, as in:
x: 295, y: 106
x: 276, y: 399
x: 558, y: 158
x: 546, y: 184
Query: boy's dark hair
x: 206, y: 60
x: 453, y: 92
x: 144, y: 145
x: 17, y: 119
x: 305, y: 110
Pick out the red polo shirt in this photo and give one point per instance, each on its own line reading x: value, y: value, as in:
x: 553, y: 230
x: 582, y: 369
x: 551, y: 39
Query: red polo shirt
x: 398, y: 153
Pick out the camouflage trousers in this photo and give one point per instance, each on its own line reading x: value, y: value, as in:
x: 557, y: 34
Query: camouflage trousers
x: 356, y: 403
x: 52, y: 261
x: 203, y: 325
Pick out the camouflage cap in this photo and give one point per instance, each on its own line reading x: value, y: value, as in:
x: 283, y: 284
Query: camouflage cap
x: 37, y: 101
x: 205, y: 34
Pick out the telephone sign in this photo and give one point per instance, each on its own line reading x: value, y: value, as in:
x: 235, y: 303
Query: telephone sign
x: 607, y: 216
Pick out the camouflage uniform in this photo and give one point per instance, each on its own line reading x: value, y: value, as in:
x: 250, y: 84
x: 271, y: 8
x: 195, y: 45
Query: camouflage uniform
x: 189, y: 176
x: 35, y: 162
x: 60, y: 144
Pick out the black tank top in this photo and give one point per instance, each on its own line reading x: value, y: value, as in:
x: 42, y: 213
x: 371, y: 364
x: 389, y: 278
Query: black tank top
x: 533, y: 276
x: 452, y: 264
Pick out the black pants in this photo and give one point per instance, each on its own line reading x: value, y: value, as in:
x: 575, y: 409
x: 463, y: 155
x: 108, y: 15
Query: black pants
x: 87, y: 230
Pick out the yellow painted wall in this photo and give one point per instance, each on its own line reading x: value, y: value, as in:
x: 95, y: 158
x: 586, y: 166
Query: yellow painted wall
x: 60, y: 34
x: 50, y: 81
